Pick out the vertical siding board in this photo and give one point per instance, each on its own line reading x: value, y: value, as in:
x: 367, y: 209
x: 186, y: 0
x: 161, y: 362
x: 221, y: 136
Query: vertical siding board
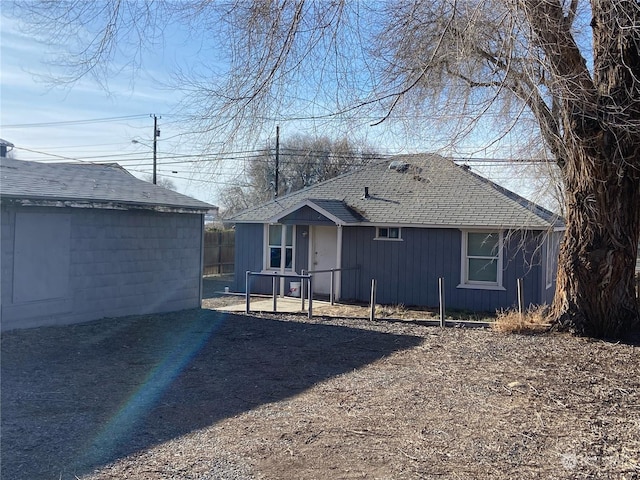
x: 421, y: 269
x: 248, y: 255
x: 345, y: 275
x: 409, y: 277
x: 415, y: 273
x: 384, y: 272
x: 426, y: 240
x: 364, y: 259
x: 302, y: 248
x: 390, y: 272
x: 549, y: 293
x: 357, y: 257
x: 369, y: 253
x: 350, y: 260
x: 432, y: 260
x: 450, y: 255
x: 428, y: 296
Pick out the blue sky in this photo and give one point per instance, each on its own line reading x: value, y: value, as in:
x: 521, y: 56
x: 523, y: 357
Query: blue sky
x: 85, y: 122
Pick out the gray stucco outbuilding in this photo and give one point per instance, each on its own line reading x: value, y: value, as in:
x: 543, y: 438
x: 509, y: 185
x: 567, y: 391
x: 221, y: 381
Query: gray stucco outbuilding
x: 81, y: 242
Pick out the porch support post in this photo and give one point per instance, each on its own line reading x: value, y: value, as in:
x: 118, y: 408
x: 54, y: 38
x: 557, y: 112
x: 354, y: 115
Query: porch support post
x: 337, y: 285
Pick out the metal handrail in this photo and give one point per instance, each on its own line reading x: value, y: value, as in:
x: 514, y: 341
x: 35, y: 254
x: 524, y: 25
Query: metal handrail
x: 330, y: 270
x: 274, y: 276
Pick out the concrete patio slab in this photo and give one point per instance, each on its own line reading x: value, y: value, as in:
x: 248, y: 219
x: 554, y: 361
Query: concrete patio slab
x: 283, y: 305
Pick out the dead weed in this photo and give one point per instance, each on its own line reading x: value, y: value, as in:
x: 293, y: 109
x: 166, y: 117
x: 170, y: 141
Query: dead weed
x: 533, y: 320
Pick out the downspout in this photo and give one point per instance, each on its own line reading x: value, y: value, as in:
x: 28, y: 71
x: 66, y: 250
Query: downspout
x: 200, y: 289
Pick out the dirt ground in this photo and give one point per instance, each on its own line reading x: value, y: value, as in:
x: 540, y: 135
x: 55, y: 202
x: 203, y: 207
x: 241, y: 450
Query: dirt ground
x: 207, y: 395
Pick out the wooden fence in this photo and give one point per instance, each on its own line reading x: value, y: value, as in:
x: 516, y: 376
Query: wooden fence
x: 219, y: 251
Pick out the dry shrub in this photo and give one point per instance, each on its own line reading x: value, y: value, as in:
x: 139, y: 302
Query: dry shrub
x: 534, y: 320
x: 390, y: 311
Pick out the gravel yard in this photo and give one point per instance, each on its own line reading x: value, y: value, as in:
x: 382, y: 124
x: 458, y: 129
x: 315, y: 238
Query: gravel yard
x: 207, y: 395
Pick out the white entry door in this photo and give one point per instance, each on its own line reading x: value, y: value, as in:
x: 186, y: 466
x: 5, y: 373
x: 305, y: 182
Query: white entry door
x: 324, y: 256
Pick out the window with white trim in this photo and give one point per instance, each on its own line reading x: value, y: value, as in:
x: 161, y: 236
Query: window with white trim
x: 280, y: 249
x: 388, y: 233
x: 481, y: 259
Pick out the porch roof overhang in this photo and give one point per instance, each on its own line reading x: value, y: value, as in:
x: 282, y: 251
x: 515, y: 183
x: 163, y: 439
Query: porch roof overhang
x: 335, y: 211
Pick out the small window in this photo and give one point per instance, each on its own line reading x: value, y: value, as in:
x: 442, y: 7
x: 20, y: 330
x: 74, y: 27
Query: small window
x: 481, y: 260
x: 388, y: 233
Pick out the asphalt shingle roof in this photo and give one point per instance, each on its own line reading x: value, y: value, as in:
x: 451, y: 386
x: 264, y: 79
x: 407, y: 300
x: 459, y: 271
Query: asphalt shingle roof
x: 427, y: 190
x: 88, y: 184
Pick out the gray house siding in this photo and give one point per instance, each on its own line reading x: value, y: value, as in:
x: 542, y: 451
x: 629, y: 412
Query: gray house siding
x: 99, y: 263
x: 407, y: 271
x: 549, y: 289
x: 249, y: 251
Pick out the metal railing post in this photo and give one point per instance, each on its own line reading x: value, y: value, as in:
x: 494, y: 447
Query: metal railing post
x: 441, y: 299
x: 520, y: 298
x: 273, y: 282
x: 372, y: 313
x: 248, y: 293
x: 310, y: 296
x: 332, y: 288
x: 302, y: 289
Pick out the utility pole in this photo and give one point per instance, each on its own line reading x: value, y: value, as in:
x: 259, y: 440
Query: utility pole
x: 156, y: 134
x: 275, y: 194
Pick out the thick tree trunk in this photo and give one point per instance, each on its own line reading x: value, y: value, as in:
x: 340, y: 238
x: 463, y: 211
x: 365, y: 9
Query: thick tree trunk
x: 595, y: 293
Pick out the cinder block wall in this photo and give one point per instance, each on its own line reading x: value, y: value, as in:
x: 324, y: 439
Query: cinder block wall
x: 119, y: 263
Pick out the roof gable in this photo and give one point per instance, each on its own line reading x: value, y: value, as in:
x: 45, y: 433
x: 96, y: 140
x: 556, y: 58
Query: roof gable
x: 428, y: 190
x: 334, y: 210
x: 87, y: 185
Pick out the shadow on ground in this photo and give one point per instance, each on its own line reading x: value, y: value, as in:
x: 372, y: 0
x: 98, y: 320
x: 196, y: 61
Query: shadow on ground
x: 76, y: 398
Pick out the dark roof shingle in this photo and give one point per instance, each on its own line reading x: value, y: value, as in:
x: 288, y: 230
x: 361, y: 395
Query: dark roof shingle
x: 89, y: 184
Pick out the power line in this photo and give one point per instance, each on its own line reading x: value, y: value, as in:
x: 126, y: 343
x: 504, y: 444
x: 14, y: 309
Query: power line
x: 339, y: 116
x: 73, y: 122
x: 178, y: 177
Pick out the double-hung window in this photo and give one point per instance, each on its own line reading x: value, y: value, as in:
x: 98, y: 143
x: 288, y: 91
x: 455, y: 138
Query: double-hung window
x: 280, y: 250
x: 481, y: 259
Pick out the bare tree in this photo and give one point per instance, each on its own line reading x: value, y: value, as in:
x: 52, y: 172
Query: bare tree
x: 303, y: 161
x: 161, y: 181
x: 568, y: 67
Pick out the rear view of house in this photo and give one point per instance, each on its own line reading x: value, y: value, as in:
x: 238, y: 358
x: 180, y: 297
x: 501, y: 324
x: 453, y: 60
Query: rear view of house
x: 406, y: 222
x: 83, y: 241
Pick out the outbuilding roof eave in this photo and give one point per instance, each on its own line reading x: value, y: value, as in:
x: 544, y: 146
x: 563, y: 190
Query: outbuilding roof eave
x: 100, y: 204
